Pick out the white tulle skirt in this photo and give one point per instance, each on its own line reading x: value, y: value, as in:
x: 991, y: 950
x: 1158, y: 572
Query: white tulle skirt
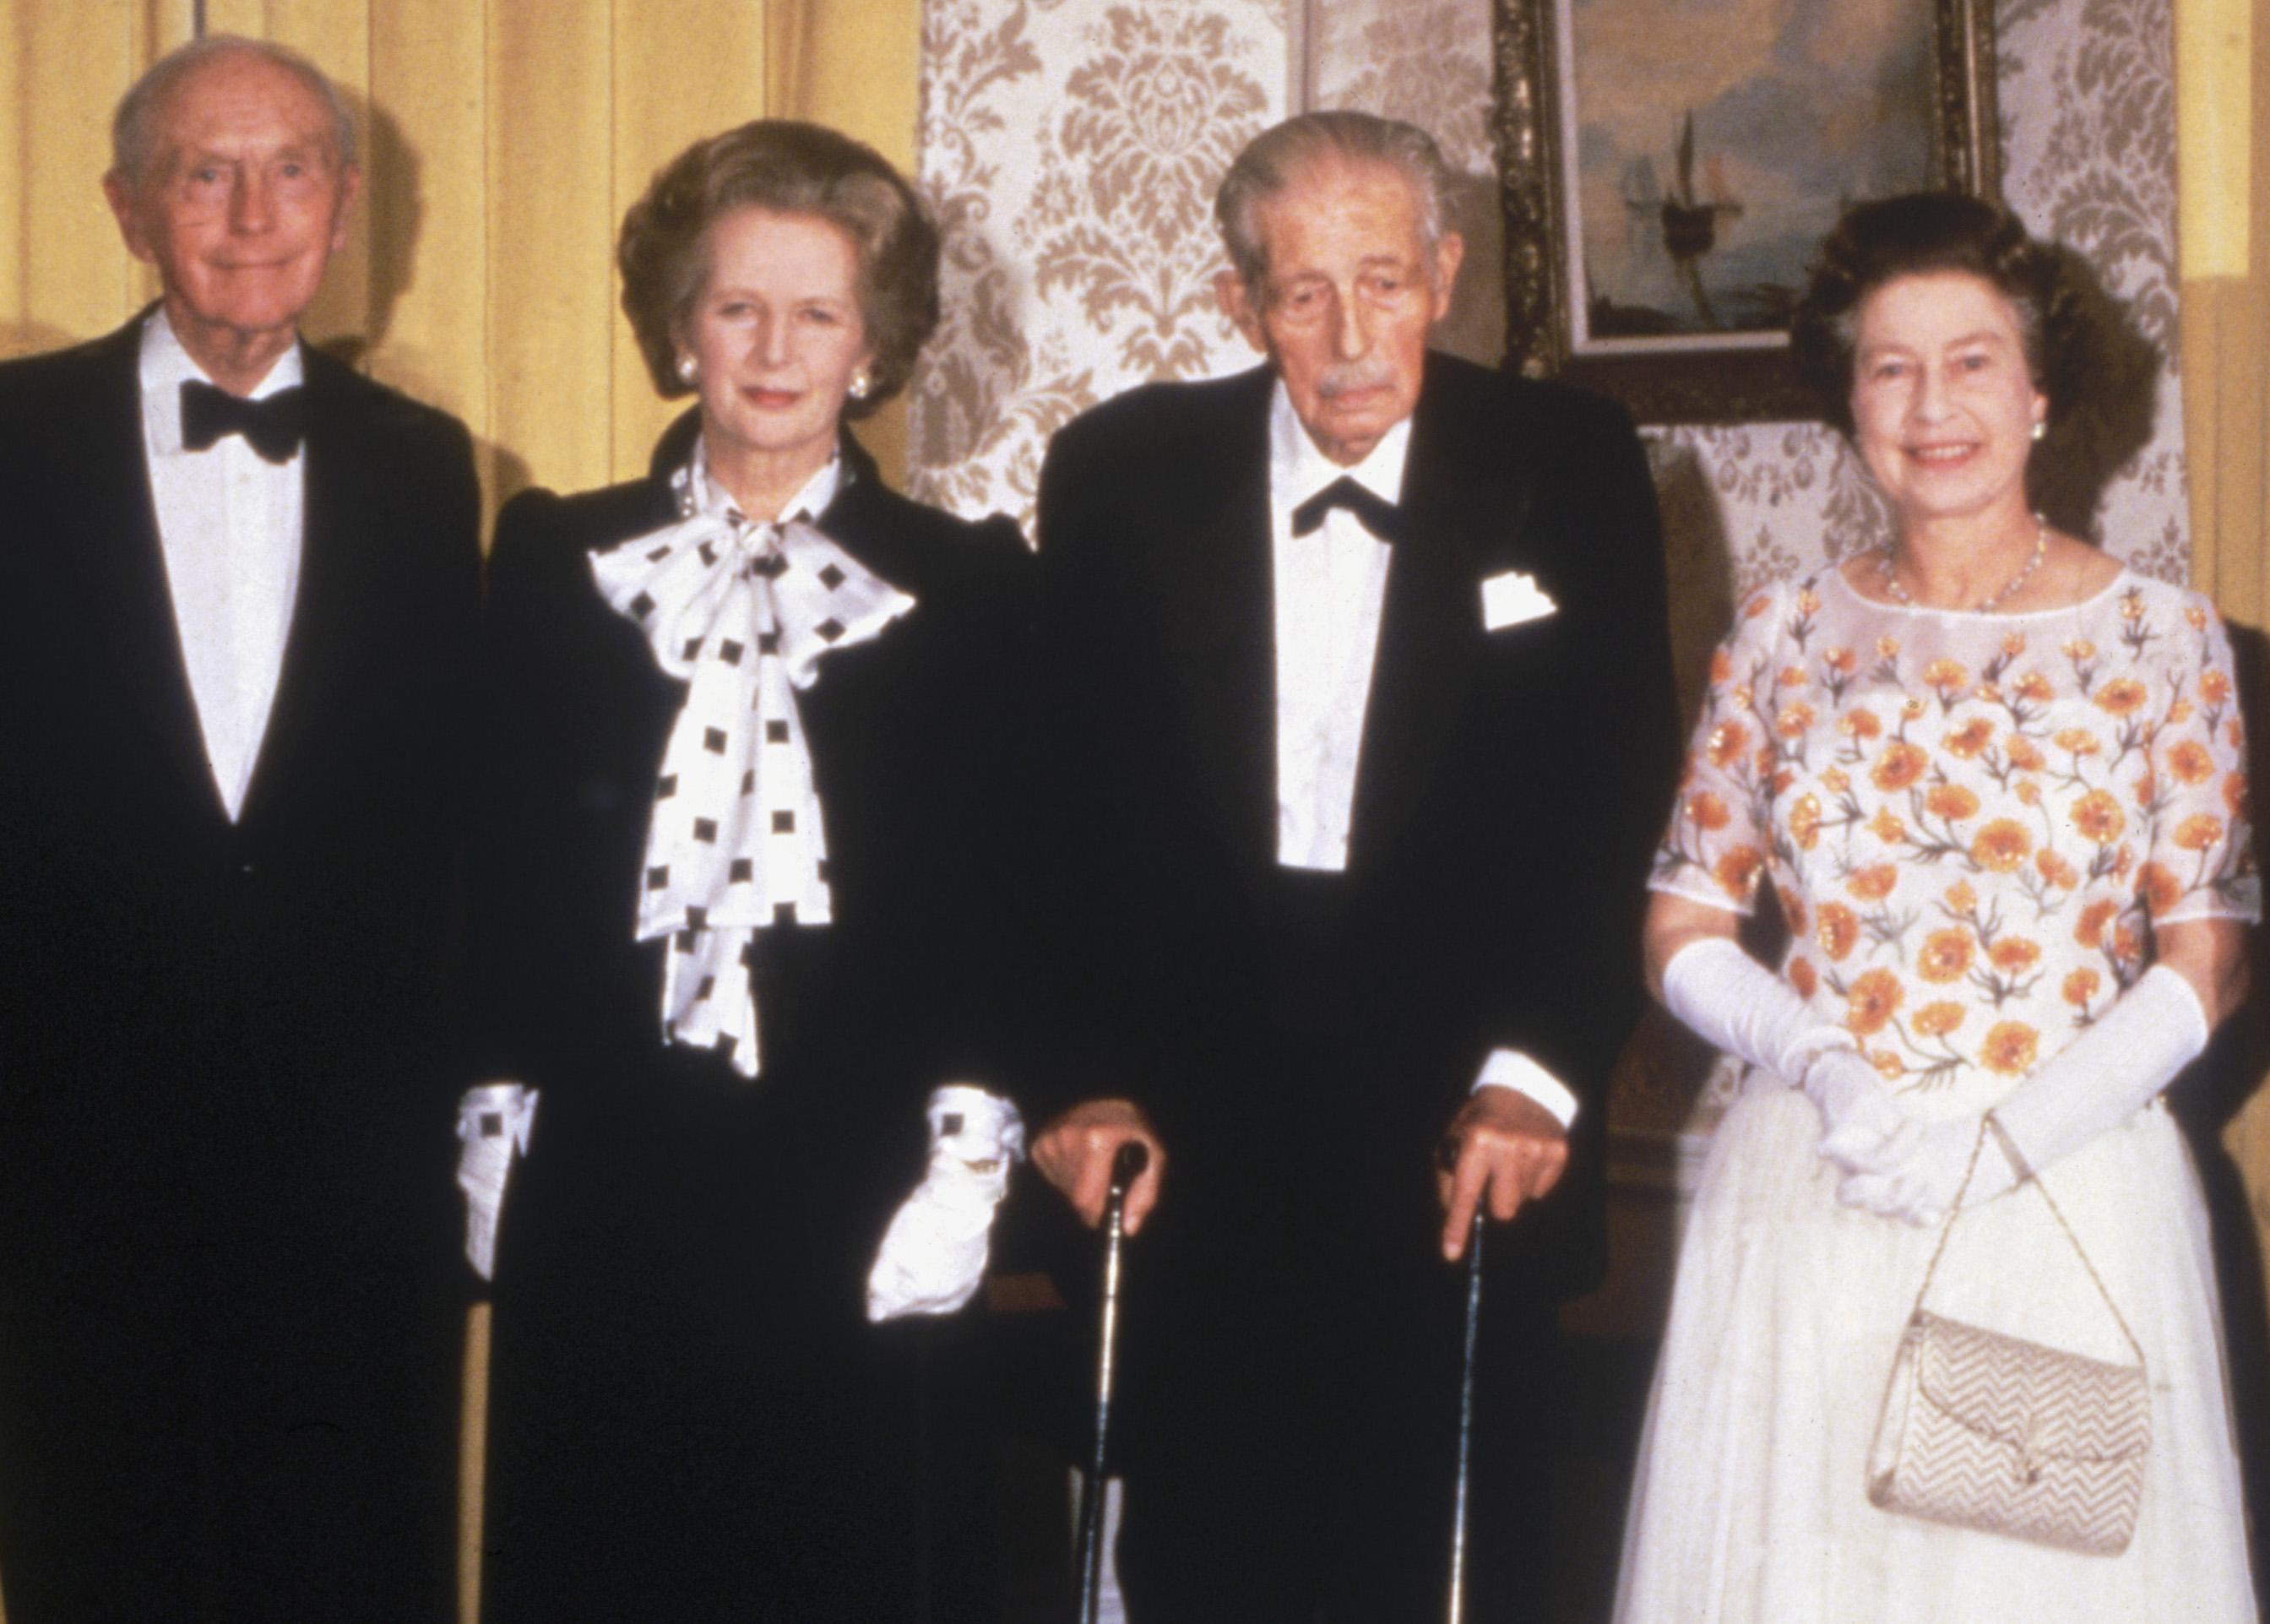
x: 1749, y: 1504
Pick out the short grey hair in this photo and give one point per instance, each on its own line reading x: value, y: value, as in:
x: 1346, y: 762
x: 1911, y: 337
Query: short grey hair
x: 1279, y: 156
x: 133, y: 127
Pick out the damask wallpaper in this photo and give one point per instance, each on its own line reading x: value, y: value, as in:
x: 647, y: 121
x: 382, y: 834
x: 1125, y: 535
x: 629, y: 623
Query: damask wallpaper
x: 1072, y: 147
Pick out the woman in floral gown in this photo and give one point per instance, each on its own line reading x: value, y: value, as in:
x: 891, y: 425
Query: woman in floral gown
x: 1993, y: 780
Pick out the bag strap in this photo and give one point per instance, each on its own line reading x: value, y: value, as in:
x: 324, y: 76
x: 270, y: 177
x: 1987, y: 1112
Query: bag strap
x: 2026, y: 1174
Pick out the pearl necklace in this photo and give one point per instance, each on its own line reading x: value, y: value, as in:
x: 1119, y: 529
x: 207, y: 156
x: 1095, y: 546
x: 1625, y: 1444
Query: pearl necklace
x: 1899, y: 594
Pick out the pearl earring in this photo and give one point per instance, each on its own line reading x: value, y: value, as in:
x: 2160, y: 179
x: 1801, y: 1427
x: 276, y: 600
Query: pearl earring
x: 688, y: 369
x: 2040, y: 428
x: 862, y: 385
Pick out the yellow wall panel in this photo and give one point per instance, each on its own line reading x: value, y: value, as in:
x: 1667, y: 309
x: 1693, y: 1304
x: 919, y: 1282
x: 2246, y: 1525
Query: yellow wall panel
x: 860, y: 71
x: 74, y: 277
x: 249, y: 18
x: 63, y: 272
x: 428, y: 163
x: 550, y: 218
x: 14, y: 94
x: 335, y: 35
x: 684, y: 68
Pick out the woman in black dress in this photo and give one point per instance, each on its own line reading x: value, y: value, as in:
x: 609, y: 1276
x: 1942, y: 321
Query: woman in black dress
x: 749, y: 864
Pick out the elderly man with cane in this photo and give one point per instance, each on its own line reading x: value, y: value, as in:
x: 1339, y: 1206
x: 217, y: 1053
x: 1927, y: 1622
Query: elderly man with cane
x: 1365, y: 676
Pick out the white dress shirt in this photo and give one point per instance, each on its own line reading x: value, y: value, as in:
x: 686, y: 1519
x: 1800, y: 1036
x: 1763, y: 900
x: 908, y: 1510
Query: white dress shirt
x: 229, y: 523
x: 1329, y: 586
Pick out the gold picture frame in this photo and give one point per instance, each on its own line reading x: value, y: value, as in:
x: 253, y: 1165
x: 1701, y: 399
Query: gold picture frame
x: 1761, y: 160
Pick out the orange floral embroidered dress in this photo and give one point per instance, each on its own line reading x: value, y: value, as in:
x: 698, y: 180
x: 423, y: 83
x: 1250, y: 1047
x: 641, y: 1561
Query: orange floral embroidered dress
x: 1971, y: 824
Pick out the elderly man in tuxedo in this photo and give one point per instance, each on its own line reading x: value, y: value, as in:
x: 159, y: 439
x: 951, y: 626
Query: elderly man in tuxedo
x: 243, y: 584
x: 1363, y: 654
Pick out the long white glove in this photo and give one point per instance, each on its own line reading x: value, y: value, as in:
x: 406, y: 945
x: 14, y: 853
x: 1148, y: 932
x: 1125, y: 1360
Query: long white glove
x: 494, y: 1121
x: 2097, y: 1082
x: 933, y: 1254
x: 1729, y: 998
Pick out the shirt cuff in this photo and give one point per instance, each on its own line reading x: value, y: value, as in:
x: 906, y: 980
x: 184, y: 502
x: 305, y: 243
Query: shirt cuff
x: 1510, y: 1067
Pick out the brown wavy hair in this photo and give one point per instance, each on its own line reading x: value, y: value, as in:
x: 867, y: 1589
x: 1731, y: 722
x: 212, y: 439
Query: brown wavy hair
x: 788, y: 169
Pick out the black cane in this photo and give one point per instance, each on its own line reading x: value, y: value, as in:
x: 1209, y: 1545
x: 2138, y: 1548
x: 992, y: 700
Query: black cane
x: 1466, y: 1421
x: 1127, y: 1166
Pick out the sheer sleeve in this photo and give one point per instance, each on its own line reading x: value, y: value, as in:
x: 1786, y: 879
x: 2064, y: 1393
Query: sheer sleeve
x: 1715, y: 848
x: 2199, y: 864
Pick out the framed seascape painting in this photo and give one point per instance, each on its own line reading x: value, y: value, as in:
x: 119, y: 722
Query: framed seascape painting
x: 1667, y: 168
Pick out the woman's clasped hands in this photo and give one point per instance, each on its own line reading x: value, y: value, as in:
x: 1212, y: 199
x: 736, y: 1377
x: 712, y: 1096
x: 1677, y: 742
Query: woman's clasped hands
x: 1893, y: 1164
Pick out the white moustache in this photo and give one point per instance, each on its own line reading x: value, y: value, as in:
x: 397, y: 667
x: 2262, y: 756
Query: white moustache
x: 1347, y: 377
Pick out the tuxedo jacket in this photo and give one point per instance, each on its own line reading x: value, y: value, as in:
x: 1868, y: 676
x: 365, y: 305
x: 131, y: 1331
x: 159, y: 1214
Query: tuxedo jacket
x: 1507, y: 793
x: 915, y: 754
x: 213, y: 1030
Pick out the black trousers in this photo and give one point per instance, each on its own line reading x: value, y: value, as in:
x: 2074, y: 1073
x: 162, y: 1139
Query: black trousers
x: 199, y: 1428
x: 1292, y: 1349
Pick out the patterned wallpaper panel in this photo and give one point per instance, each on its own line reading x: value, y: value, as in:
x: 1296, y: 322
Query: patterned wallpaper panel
x: 1071, y: 148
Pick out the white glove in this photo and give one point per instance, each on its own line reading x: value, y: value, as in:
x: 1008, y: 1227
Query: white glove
x: 1728, y: 997
x: 1920, y: 1184
x: 2097, y: 1082
x: 494, y: 1121
x: 933, y: 1254
x: 1862, y: 1127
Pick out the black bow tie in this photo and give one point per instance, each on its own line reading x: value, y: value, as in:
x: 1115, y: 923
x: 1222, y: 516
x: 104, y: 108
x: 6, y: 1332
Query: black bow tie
x: 273, y: 427
x: 1382, y: 518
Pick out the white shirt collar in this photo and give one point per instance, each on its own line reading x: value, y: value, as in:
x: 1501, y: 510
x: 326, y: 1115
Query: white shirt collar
x: 810, y: 501
x: 166, y: 365
x: 1298, y: 469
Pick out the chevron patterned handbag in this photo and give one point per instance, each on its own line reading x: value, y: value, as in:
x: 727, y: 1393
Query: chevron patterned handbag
x: 1995, y: 1432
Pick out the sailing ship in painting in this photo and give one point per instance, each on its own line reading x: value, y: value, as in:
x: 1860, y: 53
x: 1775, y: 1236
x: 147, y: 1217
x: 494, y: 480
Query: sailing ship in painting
x: 1708, y: 145
x: 1680, y: 224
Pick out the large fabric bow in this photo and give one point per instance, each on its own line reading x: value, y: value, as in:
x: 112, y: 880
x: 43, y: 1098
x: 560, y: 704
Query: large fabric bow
x: 743, y: 613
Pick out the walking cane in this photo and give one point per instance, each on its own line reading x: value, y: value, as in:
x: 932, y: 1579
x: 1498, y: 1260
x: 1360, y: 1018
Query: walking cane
x: 1466, y: 1421
x: 1126, y: 1167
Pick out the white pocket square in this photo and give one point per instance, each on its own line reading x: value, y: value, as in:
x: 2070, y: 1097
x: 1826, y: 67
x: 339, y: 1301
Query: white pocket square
x: 1511, y: 599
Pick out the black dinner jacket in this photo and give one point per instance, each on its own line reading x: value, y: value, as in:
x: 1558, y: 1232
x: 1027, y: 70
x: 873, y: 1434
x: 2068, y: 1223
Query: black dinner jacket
x: 1508, y: 790
x: 202, y: 1018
